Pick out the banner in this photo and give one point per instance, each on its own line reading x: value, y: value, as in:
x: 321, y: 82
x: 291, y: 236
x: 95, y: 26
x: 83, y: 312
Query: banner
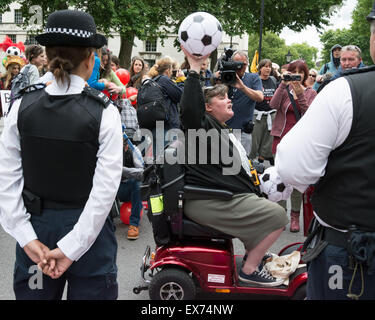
x: 5, y: 100
x: 254, y: 64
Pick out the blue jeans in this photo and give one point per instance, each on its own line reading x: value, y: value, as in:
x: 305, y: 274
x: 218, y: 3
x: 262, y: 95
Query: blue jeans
x: 329, y: 277
x: 130, y: 191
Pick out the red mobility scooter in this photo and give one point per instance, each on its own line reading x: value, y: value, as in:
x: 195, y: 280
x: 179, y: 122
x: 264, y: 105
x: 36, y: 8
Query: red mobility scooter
x: 190, y: 258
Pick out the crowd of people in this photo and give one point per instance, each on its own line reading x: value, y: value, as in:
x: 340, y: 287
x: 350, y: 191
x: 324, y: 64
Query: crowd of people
x: 105, y: 163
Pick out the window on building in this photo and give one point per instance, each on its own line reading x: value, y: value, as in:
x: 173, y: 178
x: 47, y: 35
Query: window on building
x: 150, y: 46
x: 18, y: 16
x: 150, y: 62
x: 31, y: 40
x: 1, y: 18
x: 12, y: 37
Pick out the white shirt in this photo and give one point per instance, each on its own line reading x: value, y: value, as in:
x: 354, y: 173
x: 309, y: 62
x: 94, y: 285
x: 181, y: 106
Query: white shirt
x: 33, y: 73
x: 302, y: 155
x: 13, y: 215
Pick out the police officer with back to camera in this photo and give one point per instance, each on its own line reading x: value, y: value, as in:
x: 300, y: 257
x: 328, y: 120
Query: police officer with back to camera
x: 60, y: 169
x: 339, y: 158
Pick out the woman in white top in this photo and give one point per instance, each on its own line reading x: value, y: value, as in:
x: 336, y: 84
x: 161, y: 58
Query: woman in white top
x: 60, y: 169
x: 36, y: 56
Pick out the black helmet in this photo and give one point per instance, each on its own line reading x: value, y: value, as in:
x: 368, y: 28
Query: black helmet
x: 371, y: 16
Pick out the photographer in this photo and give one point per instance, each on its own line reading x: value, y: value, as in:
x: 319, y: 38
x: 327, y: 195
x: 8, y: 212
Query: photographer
x: 244, y: 93
x: 287, y: 94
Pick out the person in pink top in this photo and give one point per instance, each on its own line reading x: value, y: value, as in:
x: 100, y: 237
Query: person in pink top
x: 286, y: 118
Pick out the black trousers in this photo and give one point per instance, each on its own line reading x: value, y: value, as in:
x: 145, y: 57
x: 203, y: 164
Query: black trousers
x: 329, y: 277
x: 93, y: 276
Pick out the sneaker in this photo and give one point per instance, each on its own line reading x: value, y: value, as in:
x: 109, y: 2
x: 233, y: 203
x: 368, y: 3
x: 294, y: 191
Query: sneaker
x: 133, y: 232
x: 260, y: 277
x: 267, y: 258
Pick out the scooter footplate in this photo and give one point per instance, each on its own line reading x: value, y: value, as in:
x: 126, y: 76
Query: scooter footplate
x: 251, y: 285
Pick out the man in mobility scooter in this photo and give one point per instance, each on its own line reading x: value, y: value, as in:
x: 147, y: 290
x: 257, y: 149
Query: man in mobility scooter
x: 220, y: 204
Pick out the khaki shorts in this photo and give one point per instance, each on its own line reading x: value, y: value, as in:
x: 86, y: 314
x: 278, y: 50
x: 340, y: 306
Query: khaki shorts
x: 246, y: 217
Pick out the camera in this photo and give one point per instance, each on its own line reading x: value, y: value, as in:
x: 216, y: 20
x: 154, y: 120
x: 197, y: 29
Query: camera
x: 248, y: 127
x: 228, y: 67
x: 292, y: 77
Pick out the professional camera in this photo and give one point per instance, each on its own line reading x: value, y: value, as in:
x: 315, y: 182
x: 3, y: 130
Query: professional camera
x: 292, y: 77
x: 228, y: 67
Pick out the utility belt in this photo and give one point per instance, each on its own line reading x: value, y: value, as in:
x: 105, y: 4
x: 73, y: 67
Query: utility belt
x: 35, y: 204
x: 359, y: 244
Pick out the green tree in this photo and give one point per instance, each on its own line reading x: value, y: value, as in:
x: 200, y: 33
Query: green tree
x: 130, y: 18
x: 358, y: 33
x: 154, y: 18
x: 306, y: 52
x: 274, y: 48
x: 361, y: 28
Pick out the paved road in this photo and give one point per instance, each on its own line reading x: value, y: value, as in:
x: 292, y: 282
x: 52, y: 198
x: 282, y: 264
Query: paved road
x: 128, y: 259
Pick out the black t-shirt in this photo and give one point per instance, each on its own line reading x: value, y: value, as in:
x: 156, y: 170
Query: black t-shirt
x: 269, y: 88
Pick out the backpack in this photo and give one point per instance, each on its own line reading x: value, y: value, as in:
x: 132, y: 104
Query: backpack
x: 19, y: 83
x: 152, y: 104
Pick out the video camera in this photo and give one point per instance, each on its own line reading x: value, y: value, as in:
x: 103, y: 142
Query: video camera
x: 292, y: 77
x: 228, y: 67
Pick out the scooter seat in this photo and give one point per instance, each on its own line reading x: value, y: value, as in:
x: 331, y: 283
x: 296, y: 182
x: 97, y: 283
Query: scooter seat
x: 195, y: 230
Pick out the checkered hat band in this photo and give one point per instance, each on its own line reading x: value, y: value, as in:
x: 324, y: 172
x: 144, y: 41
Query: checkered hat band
x: 73, y: 32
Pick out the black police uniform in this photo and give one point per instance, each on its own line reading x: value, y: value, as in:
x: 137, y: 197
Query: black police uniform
x: 344, y: 199
x: 67, y: 127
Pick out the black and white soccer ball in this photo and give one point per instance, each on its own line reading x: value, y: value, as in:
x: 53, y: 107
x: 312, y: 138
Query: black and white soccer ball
x: 272, y: 187
x: 200, y: 33
x: 13, y: 51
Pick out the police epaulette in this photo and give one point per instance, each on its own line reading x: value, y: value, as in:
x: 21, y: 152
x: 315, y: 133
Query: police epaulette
x: 97, y: 95
x: 31, y: 88
x: 358, y: 70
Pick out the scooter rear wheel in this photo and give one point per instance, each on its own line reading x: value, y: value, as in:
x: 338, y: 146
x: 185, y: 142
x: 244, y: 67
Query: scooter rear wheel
x: 172, y: 284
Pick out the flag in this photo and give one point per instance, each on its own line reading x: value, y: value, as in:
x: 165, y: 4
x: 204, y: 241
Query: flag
x: 254, y: 64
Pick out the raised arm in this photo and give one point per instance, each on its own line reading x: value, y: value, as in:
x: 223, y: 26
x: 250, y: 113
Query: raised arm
x: 192, y: 101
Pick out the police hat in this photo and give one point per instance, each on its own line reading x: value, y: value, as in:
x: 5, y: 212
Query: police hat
x: 371, y: 16
x: 71, y: 28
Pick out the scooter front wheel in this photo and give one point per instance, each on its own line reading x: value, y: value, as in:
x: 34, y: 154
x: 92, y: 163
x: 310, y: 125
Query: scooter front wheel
x: 172, y: 284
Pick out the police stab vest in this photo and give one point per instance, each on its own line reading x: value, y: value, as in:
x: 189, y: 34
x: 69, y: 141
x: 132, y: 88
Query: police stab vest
x: 345, y: 195
x: 59, y: 144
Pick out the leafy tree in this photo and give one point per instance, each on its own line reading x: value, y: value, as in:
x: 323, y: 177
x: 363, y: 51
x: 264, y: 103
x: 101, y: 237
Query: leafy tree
x: 332, y: 37
x: 306, y: 52
x: 155, y: 18
x: 274, y: 48
x: 361, y: 28
x: 130, y: 18
x: 358, y: 33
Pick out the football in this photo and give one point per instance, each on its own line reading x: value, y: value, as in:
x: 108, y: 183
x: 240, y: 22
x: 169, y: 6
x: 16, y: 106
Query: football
x: 200, y: 33
x: 272, y: 187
